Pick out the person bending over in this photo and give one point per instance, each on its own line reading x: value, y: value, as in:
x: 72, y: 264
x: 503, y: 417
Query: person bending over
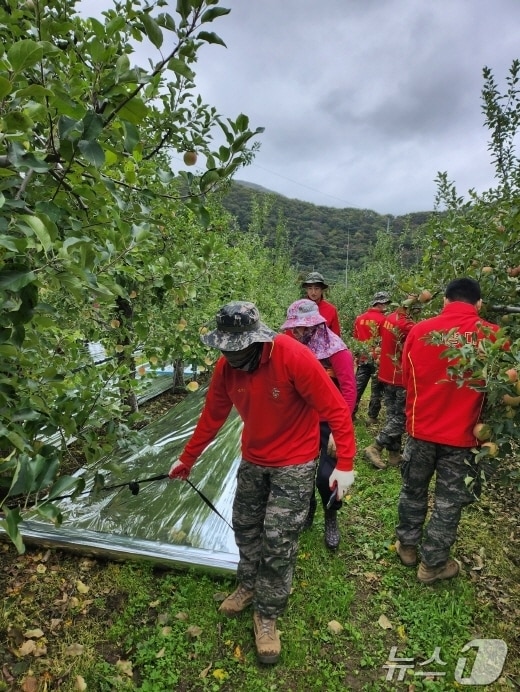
x: 281, y: 392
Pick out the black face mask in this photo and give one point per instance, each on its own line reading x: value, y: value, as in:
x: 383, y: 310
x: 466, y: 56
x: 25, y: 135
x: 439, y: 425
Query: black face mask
x: 247, y: 359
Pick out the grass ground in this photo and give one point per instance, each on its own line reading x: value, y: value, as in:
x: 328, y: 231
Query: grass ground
x: 75, y: 623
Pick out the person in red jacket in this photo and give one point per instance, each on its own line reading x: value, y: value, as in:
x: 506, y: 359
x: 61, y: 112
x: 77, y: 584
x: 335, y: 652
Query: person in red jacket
x: 310, y: 328
x: 366, y: 331
x: 281, y: 392
x: 440, y: 417
x: 393, y: 331
x: 315, y: 286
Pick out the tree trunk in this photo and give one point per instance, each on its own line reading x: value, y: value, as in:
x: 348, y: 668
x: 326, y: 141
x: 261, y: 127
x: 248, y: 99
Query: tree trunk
x: 125, y: 313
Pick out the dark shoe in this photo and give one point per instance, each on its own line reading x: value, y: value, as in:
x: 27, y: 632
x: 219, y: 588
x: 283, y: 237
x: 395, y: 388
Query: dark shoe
x: 429, y: 575
x: 332, y: 535
x: 395, y: 458
x: 236, y: 602
x: 267, y: 639
x: 373, y: 455
x: 310, y: 515
x: 407, y: 554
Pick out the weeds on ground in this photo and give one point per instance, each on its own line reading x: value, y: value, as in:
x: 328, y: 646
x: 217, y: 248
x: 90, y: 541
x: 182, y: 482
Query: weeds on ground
x: 109, y: 627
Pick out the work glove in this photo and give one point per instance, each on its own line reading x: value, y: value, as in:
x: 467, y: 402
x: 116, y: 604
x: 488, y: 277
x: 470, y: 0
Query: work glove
x: 342, y: 480
x: 179, y: 470
x: 331, y: 447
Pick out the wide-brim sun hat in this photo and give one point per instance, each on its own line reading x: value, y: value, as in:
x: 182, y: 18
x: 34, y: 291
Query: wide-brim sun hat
x: 314, y: 278
x: 303, y: 313
x: 238, y: 326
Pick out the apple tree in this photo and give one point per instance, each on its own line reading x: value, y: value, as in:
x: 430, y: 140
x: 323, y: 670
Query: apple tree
x: 479, y: 237
x: 89, y: 186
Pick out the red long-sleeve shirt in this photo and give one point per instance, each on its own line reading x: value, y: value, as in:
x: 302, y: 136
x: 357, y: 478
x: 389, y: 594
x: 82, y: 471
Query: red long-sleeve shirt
x: 394, y: 330
x: 437, y: 408
x: 366, y: 328
x: 330, y: 313
x: 281, y: 404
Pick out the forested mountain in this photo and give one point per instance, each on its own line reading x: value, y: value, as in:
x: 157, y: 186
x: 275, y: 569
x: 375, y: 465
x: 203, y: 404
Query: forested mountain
x: 321, y: 238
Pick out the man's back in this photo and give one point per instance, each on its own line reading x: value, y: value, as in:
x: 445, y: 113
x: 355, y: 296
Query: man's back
x: 366, y: 325
x: 437, y: 408
x: 393, y: 330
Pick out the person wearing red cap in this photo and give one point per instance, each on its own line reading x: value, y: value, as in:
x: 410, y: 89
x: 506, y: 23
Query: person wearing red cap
x: 315, y: 286
x: 281, y: 392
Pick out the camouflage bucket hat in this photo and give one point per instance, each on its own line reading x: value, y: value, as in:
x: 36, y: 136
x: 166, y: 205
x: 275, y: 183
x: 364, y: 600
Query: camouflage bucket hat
x: 303, y: 313
x: 314, y: 278
x: 381, y: 297
x: 238, y: 326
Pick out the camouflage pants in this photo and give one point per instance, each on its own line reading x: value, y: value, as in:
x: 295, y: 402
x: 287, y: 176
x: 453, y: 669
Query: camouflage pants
x: 270, y: 507
x: 389, y: 437
x: 365, y: 373
x: 457, y: 483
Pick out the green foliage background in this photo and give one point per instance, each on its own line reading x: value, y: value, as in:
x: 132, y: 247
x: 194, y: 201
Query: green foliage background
x: 324, y: 238
x: 102, y: 237
x: 105, y: 238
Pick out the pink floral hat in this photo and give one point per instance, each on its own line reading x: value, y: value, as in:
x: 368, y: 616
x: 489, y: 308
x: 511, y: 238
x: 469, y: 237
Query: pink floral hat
x: 303, y: 313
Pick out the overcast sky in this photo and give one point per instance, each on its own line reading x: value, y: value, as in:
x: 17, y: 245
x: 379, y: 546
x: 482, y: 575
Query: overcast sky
x: 363, y: 101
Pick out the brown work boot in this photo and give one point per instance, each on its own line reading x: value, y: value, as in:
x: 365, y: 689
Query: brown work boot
x: 407, y: 554
x: 267, y: 638
x: 373, y: 455
x: 236, y: 602
x: 395, y: 458
x: 429, y: 575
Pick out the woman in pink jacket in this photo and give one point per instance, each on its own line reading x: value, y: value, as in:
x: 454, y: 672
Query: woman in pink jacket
x: 309, y: 327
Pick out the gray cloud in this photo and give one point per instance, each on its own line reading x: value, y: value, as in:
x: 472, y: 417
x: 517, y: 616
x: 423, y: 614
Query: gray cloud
x: 363, y: 101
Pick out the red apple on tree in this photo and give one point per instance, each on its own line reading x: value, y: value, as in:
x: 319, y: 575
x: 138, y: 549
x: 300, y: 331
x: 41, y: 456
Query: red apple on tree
x: 511, y: 400
x: 482, y: 431
x: 190, y: 158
